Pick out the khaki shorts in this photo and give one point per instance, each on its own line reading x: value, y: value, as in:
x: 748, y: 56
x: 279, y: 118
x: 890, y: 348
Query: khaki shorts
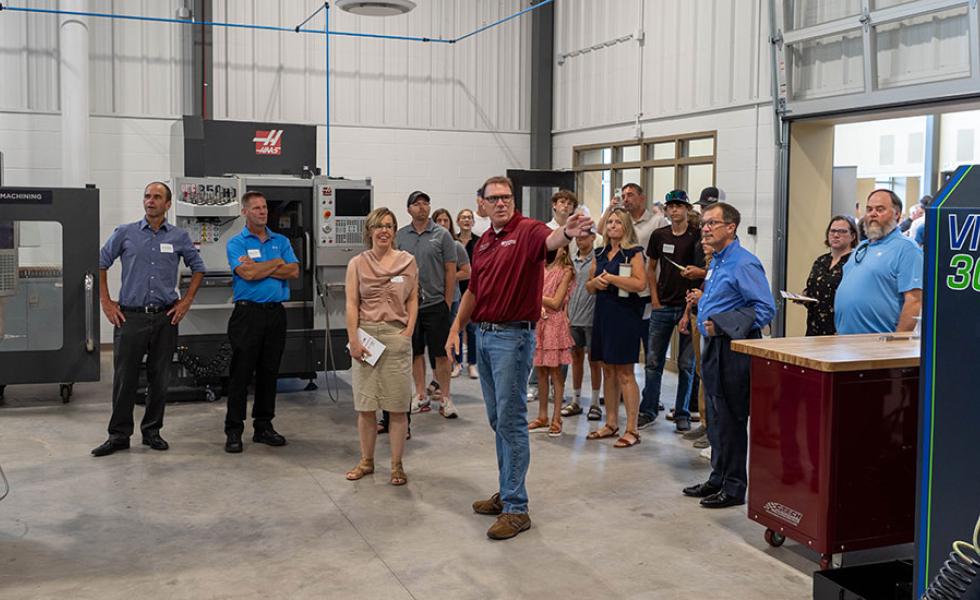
x: 388, y: 384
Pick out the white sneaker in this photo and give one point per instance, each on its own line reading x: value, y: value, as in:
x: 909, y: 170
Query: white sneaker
x: 448, y: 409
x: 473, y: 372
x: 532, y: 393
x: 420, y: 404
x: 457, y: 369
x: 706, y: 454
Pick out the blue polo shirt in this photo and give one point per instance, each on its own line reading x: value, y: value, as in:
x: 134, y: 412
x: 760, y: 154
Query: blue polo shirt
x: 248, y: 244
x: 736, y: 279
x: 876, y: 276
x: 149, y: 261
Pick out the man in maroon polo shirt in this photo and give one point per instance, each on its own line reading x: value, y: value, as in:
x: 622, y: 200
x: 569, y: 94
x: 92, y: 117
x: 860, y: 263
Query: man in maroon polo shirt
x: 504, y: 299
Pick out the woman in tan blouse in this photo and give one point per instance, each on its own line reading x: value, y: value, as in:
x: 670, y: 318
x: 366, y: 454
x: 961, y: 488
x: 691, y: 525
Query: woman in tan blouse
x: 382, y: 301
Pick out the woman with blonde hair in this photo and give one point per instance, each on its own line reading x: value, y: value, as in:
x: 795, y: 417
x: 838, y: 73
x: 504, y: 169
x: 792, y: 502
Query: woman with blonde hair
x: 616, y: 278
x: 382, y: 301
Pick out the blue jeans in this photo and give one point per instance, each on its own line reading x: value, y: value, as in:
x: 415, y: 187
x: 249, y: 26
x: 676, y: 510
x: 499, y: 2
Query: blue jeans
x: 662, y: 324
x: 504, y: 360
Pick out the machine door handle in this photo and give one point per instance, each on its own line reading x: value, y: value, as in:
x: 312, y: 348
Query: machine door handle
x: 309, y: 261
x: 89, y: 320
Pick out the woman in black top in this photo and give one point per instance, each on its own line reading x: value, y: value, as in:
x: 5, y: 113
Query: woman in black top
x: 825, y: 275
x: 469, y: 239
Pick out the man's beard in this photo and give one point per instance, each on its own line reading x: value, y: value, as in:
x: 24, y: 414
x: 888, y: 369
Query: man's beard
x: 876, y: 231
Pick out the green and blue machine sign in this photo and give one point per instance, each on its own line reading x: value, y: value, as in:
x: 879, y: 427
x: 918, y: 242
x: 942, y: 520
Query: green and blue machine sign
x: 949, y: 420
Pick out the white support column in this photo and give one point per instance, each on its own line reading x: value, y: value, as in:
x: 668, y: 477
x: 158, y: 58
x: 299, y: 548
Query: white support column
x: 74, y: 88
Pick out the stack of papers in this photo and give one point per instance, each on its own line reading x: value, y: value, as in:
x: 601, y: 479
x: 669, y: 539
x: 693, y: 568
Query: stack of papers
x: 797, y: 297
x: 371, y: 344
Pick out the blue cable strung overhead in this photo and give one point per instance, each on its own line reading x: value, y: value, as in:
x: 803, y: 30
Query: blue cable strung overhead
x: 325, y: 8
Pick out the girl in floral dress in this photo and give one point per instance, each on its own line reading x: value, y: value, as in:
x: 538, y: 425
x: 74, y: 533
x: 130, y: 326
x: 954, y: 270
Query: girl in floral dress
x: 554, y: 342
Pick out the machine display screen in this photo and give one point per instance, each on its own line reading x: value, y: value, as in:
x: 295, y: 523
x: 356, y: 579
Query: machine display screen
x: 353, y: 202
x: 6, y: 235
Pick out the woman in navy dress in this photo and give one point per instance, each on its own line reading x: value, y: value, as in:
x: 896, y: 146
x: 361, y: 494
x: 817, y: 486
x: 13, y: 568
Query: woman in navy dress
x: 616, y: 278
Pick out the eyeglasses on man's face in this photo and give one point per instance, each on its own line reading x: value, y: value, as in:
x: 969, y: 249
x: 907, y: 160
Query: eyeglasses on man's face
x: 506, y: 198
x: 712, y: 223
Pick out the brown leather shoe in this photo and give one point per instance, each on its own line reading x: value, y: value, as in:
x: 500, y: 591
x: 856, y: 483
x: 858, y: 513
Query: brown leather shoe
x: 493, y: 506
x: 509, y: 525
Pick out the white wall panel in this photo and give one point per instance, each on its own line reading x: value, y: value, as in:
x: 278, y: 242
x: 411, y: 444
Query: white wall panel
x: 697, y: 55
x: 478, y: 84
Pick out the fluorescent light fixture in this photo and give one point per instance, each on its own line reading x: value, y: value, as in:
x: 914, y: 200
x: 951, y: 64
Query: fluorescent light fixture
x: 376, y: 8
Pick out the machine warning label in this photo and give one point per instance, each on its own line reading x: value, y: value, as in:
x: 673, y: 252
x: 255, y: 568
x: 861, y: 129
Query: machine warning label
x: 784, y: 513
x: 268, y: 142
x: 24, y: 196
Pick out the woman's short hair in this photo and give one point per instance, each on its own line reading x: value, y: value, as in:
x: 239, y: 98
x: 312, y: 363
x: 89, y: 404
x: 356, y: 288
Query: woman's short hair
x: 374, y: 218
x: 851, y: 225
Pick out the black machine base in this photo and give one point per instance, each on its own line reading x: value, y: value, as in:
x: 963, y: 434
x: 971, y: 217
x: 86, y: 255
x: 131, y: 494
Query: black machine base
x: 878, y: 581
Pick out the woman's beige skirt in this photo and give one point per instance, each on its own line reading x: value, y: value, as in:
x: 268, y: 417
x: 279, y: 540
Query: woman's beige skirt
x: 388, y: 384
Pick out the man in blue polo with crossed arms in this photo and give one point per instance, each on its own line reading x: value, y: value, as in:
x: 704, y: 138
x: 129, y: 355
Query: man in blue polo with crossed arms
x: 261, y: 262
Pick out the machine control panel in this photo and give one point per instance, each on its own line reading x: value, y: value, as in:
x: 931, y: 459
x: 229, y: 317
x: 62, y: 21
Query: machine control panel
x: 342, y: 207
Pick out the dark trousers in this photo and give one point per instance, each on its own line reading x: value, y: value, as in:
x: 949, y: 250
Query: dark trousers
x: 729, y: 440
x: 258, y: 336
x: 141, y: 334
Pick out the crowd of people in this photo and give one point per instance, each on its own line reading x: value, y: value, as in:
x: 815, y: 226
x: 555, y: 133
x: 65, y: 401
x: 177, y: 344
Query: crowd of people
x: 506, y: 297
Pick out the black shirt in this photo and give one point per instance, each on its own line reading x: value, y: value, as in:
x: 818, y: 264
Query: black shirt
x: 685, y: 250
x: 822, y: 285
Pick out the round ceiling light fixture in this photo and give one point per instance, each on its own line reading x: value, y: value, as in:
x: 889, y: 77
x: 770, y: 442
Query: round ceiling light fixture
x: 376, y: 8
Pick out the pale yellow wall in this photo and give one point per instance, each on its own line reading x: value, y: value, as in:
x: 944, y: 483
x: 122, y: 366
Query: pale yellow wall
x: 810, y: 188
x: 865, y: 187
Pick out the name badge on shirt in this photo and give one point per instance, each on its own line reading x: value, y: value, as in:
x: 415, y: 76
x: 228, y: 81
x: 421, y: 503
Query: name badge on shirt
x: 167, y: 248
x: 254, y: 253
x: 398, y: 279
x: 668, y: 248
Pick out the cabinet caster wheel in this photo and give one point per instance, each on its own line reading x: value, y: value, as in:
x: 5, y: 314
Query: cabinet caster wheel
x: 774, y: 538
x: 209, y: 395
x: 826, y: 562
x: 65, y: 391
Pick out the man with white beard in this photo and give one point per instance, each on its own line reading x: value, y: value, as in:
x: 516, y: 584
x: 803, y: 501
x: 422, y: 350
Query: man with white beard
x: 881, y: 291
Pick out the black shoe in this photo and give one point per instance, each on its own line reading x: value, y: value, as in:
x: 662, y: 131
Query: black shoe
x: 644, y: 421
x: 721, y: 500
x: 234, y: 443
x: 701, y: 490
x: 268, y: 436
x: 109, y: 447
x: 156, y: 442
x: 682, y: 424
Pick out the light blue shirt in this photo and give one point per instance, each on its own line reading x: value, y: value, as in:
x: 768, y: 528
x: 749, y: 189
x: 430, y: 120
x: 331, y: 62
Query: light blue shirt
x: 876, y: 276
x: 736, y: 279
x: 248, y: 244
x: 149, y: 261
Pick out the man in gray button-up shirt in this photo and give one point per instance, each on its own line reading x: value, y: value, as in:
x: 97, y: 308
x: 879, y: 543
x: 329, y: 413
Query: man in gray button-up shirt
x: 435, y: 253
x: 147, y: 314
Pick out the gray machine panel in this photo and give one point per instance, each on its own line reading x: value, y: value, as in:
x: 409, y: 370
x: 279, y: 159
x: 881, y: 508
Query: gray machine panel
x: 343, y: 207
x: 8, y: 258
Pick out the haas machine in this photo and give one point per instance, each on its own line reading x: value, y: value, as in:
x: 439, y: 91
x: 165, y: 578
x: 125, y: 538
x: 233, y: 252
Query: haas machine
x: 323, y: 218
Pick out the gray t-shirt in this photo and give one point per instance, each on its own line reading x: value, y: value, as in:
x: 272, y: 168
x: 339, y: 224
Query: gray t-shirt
x: 581, y: 304
x: 432, y: 249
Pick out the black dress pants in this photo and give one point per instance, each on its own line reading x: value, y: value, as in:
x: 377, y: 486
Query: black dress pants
x: 141, y: 334
x: 257, y: 333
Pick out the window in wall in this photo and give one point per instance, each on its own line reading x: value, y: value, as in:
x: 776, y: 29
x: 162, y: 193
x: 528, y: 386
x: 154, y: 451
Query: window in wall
x: 658, y: 164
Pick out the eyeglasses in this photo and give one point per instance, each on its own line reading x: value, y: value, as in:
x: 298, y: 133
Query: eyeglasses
x: 383, y: 226
x: 495, y: 199
x: 839, y: 231
x: 861, y: 251
x: 712, y: 224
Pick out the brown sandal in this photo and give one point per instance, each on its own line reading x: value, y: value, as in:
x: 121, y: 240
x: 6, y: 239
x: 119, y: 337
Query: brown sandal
x: 537, y: 424
x: 397, y: 475
x: 625, y: 443
x: 365, y: 467
x: 602, y: 433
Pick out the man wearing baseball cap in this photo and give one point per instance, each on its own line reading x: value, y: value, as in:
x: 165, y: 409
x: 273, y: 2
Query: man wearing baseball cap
x: 435, y: 253
x: 676, y: 249
x: 709, y: 196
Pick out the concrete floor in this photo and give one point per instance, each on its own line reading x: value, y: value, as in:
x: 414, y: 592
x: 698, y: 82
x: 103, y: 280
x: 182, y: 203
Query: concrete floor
x: 195, y: 522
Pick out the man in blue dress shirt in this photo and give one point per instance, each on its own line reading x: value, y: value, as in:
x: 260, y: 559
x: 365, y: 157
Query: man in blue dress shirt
x: 881, y: 291
x: 262, y: 262
x: 737, y: 303
x: 147, y: 314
